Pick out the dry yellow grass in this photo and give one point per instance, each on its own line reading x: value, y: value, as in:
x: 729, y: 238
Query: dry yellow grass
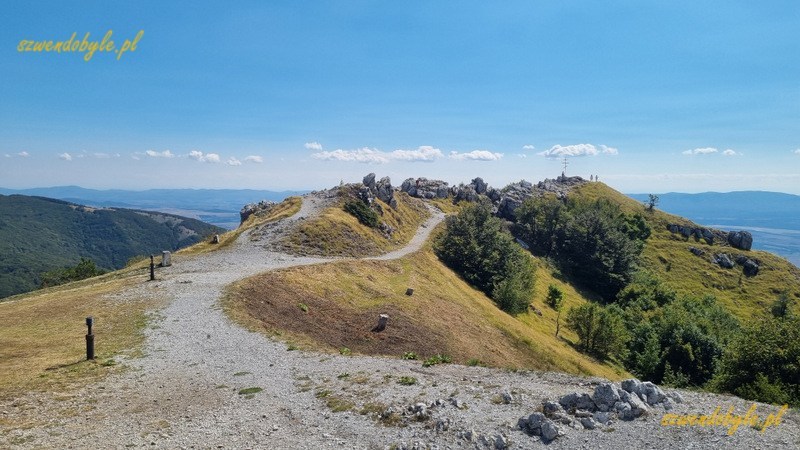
x: 444, y: 315
x: 42, y: 333
x: 287, y: 208
x: 336, y: 233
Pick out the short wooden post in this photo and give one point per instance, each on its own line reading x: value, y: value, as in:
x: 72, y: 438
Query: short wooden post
x: 382, y: 320
x: 152, y: 268
x: 89, y: 339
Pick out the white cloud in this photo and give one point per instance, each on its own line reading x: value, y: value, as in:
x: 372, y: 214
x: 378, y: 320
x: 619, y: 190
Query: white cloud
x: 522, y: 155
x: 528, y: 147
x: 797, y: 152
x: 424, y: 153
x: 701, y: 151
x: 204, y: 157
x: 155, y: 154
x: 23, y: 154
x: 362, y: 155
x: 609, y: 150
x: 101, y: 155
x: 316, y: 146
x: 729, y: 152
x: 558, y: 151
x: 254, y: 159
x: 233, y: 162
x: 7, y: 155
x: 65, y: 156
x: 476, y: 155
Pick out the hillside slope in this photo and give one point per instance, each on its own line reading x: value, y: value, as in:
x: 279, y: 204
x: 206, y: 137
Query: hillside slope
x: 41, y: 234
x: 668, y: 255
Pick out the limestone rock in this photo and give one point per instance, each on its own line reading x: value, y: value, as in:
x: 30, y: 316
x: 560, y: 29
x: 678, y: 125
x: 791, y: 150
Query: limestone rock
x: 254, y: 208
x: 696, y: 251
x: 740, y: 239
x: 425, y: 188
x: 384, y: 190
x: 751, y: 268
x: 653, y: 393
x: 577, y: 401
x: 479, y: 185
x: 724, y: 260
x: 550, y: 431
x: 550, y: 408
x: 605, y: 396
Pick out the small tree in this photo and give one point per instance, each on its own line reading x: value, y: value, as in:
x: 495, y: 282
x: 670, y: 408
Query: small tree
x: 600, y: 330
x: 555, y: 300
x: 780, y: 307
x: 652, y: 202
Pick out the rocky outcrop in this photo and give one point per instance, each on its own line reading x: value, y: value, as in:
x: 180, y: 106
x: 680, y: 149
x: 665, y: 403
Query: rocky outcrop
x: 707, y: 234
x: 381, y: 189
x: 697, y: 251
x: 742, y: 240
x: 512, y: 196
x: 425, y: 188
x: 750, y: 267
x: 254, y: 208
x: 723, y: 260
x: 628, y: 401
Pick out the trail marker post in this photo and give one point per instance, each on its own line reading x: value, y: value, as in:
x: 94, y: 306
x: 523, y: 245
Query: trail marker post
x: 89, y: 339
x: 152, y: 269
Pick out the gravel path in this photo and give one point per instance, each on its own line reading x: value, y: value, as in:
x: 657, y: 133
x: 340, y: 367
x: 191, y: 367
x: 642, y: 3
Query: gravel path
x: 184, y: 393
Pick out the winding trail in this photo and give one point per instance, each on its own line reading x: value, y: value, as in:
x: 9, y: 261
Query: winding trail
x: 184, y: 392
x: 179, y: 393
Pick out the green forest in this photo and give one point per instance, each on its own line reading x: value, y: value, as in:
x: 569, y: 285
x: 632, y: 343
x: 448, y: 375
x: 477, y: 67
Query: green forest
x: 39, y: 235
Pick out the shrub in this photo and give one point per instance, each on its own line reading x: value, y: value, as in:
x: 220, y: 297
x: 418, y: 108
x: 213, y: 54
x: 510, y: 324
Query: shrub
x: 437, y: 359
x: 555, y: 297
x: 600, y: 329
x: 761, y: 363
x: 407, y: 381
x: 362, y: 212
x: 86, y: 268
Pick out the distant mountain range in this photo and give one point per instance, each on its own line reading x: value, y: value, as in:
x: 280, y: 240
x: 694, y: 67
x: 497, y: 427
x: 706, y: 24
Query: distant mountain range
x: 772, y: 217
x: 39, y: 234
x: 219, y: 207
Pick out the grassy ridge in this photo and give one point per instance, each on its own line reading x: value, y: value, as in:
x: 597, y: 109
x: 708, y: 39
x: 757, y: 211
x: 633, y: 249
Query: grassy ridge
x: 443, y: 316
x: 338, y: 233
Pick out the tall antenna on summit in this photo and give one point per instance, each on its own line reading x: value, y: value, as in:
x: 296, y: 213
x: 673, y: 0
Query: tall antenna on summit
x: 564, y: 173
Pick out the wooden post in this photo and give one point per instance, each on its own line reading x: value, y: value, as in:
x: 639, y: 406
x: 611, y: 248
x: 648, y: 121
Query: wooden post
x: 382, y: 319
x: 152, y: 269
x: 89, y: 339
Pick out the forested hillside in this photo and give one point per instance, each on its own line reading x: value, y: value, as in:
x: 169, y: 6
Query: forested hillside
x: 38, y: 235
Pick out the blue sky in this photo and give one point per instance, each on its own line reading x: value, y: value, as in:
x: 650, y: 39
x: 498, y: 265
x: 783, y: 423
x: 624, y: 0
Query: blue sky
x: 651, y: 96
